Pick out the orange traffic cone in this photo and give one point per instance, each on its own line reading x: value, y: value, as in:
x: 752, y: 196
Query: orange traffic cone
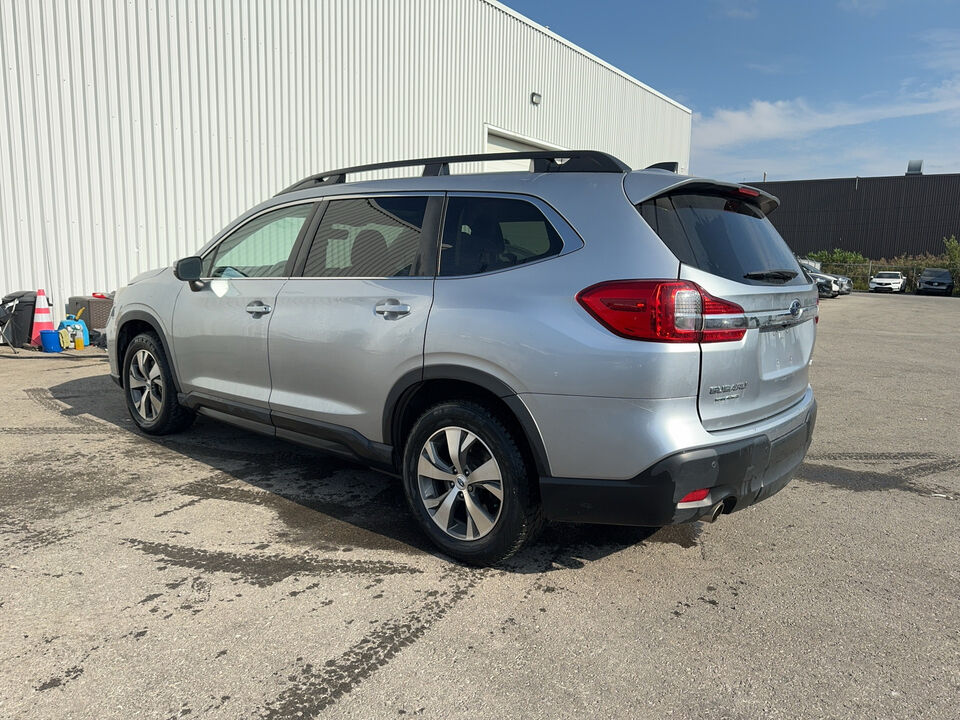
x: 42, y: 318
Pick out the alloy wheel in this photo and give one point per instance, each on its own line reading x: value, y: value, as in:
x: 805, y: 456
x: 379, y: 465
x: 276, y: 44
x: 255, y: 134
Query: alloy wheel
x: 460, y: 483
x: 145, y: 385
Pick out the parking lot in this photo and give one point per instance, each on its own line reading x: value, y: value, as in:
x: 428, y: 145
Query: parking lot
x: 219, y: 574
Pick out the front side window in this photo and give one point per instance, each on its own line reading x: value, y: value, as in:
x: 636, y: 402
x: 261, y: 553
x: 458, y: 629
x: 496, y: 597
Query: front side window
x: 372, y: 237
x: 261, y: 247
x: 481, y: 234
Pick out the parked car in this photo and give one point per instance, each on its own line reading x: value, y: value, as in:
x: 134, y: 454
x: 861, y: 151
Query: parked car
x: 598, y: 346
x: 844, y: 285
x: 935, y: 280
x: 888, y: 281
x: 827, y: 285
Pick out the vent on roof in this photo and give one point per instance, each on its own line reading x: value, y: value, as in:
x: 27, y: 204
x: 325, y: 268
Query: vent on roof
x: 915, y: 167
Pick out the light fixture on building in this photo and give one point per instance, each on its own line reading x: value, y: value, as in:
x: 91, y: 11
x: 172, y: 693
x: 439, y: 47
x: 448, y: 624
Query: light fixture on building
x: 536, y: 98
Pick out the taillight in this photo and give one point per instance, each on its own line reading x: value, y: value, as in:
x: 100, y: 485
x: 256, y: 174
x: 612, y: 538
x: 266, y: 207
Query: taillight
x: 663, y: 311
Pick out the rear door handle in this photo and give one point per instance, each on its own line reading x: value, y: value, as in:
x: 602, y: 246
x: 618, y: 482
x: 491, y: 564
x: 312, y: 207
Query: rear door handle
x: 391, y: 309
x: 258, y: 308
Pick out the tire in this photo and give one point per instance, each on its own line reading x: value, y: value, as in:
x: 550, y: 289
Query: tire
x: 149, y: 389
x: 465, y: 518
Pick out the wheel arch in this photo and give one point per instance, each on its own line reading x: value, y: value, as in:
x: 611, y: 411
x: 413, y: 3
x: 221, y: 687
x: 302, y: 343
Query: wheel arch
x: 134, y: 322
x: 417, y: 390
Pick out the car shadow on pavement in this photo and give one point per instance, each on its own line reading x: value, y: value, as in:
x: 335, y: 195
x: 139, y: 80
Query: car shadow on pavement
x: 323, y: 501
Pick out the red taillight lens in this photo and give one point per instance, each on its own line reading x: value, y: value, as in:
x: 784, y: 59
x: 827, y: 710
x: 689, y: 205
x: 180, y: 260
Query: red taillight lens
x: 663, y: 311
x: 696, y: 495
x: 749, y: 192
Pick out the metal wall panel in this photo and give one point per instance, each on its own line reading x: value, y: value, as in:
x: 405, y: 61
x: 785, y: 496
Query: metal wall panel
x: 880, y: 217
x: 133, y: 130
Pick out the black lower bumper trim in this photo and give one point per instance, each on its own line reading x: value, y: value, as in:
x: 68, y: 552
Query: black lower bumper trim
x: 739, y: 473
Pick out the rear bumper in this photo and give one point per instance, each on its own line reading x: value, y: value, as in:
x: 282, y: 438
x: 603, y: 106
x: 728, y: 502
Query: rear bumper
x: 739, y: 473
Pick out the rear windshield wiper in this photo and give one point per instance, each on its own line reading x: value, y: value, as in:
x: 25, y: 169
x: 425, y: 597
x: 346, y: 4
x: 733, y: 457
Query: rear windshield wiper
x: 781, y: 275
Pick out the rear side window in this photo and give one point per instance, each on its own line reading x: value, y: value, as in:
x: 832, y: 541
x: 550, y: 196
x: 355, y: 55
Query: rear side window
x: 481, y: 234
x: 721, y: 235
x: 368, y: 237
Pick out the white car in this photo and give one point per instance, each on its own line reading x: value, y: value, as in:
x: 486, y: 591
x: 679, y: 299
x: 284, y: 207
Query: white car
x: 888, y: 281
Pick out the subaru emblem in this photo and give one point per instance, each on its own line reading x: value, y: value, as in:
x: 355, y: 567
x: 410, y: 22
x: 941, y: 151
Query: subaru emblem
x: 795, y: 308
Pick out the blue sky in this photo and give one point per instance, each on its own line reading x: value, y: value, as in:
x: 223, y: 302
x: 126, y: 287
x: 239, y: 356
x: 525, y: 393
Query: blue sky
x: 801, y: 89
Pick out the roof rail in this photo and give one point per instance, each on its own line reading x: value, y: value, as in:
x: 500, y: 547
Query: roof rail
x: 543, y: 161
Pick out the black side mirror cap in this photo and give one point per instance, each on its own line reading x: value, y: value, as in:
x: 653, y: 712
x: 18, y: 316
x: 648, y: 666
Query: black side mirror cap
x: 188, y: 269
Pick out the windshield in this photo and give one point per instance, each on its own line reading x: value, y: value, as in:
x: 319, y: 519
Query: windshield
x: 894, y: 275
x: 936, y: 273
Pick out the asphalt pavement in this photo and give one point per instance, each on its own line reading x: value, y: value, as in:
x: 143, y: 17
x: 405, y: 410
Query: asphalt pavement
x: 219, y: 574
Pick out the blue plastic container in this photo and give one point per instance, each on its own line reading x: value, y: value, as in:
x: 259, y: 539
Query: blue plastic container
x: 72, y: 321
x: 50, y: 339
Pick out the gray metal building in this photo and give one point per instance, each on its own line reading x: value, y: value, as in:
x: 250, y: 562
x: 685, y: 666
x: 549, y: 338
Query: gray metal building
x: 134, y: 131
x: 880, y: 217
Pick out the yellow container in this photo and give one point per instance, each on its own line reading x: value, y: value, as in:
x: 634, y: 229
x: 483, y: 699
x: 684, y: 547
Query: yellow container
x: 78, y: 342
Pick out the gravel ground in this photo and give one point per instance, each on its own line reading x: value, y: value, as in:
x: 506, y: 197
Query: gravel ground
x: 218, y: 574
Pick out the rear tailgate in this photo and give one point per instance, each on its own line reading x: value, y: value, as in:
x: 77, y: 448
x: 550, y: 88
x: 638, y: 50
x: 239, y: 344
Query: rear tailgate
x: 726, y: 245
x: 765, y: 372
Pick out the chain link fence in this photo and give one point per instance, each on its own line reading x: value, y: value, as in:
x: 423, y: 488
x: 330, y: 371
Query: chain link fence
x: 860, y: 273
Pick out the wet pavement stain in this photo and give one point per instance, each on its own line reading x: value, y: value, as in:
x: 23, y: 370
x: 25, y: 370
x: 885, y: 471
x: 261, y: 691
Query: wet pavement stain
x: 69, y: 674
x: 264, y: 570
x: 314, y: 688
x: 43, y: 398
x: 903, y: 478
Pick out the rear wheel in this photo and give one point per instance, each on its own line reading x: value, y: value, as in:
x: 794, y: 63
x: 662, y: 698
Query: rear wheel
x: 468, y: 484
x: 149, y: 388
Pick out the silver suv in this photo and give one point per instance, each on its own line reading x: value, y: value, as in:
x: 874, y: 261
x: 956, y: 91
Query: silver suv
x: 581, y: 342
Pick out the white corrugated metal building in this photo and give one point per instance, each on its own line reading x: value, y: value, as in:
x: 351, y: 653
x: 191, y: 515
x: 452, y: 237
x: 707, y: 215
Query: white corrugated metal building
x: 132, y: 131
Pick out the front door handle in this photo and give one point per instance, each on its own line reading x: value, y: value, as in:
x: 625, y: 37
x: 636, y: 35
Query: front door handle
x: 258, y: 308
x: 391, y: 309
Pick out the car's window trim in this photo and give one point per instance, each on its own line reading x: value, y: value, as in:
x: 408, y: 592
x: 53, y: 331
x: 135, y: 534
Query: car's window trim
x: 294, y: 251
x: 569, y: 238
x: 429, y: 235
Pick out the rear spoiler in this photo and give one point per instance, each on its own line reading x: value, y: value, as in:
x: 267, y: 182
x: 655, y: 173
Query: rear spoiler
x: 645, y: 185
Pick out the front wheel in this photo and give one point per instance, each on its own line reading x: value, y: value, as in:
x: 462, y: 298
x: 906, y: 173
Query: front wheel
x: 468, y: 484
x: 149, y: 388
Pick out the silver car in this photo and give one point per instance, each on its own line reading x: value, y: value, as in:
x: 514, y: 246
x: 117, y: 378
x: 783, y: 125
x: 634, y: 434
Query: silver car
x: 580, y: 342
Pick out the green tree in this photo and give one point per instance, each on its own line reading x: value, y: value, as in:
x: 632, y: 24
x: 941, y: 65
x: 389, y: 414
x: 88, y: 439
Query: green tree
x: 837, y: 257
x: 952, y: 246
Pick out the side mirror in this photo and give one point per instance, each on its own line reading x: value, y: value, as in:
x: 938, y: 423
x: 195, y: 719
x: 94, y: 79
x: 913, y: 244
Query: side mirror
x: 188, y: 269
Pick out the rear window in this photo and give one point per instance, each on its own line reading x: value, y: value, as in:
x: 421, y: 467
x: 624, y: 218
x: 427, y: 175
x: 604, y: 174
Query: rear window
x: 723, y: 236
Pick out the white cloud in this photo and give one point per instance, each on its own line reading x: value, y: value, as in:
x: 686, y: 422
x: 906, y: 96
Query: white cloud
x: 819, y: 160
x: 805, y: 138
x: 864, y: 7
x: 740, y: 10
x: 942, y: 51
x: 794, y: 119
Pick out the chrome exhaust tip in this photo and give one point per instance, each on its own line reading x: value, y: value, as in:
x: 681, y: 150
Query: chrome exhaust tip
x: 713, y: 513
